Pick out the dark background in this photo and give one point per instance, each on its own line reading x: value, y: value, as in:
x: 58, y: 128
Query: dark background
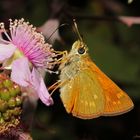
x: 114, y: 47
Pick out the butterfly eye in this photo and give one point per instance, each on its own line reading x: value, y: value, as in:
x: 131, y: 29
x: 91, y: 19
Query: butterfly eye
x: 81, y: 50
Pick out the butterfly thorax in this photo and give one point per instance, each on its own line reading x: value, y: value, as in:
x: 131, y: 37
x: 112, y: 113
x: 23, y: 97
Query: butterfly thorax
x: 73, y: 63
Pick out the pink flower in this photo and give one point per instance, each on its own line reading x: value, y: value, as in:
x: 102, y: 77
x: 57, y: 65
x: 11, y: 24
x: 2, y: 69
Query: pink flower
x: 26, y: 53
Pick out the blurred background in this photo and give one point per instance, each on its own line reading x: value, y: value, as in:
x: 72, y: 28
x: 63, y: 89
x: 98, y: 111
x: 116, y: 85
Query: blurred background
x: 113, y: 45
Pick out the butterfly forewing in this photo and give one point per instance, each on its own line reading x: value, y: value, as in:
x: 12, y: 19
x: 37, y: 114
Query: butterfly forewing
x: 116, y: 100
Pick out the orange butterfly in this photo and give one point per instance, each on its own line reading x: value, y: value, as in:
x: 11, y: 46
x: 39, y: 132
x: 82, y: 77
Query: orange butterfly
x: 85, y: 90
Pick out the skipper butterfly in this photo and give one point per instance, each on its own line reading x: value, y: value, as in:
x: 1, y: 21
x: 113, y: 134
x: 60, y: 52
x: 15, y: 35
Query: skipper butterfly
x: 85, y: 90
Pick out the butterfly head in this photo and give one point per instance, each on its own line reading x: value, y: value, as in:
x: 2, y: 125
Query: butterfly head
x: 79, y: 48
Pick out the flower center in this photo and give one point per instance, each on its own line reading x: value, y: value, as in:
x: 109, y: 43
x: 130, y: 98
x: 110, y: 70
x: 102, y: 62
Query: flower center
x: 17, y: 54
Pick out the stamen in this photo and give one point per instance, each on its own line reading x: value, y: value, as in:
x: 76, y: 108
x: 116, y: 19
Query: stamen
x: 4, y: 41
x: 4, y: 31
x: 31, y: 43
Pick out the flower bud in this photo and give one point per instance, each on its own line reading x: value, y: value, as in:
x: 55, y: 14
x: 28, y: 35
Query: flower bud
x: 10, y: 105
x: 7, y: 83
x: 4, y: 94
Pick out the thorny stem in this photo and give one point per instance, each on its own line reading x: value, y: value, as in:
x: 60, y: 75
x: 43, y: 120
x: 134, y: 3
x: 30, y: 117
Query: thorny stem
x: 128, y: 20
x: 94, y: 17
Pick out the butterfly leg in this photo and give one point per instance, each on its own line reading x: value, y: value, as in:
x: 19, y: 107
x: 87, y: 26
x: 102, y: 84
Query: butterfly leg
x: 56, y: 85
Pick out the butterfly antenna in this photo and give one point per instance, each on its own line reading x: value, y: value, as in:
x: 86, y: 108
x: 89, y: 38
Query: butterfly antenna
x: 76, y: 30
x: 56, y: 30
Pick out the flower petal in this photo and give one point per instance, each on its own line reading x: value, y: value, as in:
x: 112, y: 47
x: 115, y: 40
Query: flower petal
x: 21, y: 72
x: 40, y: 87
x: 49, y: 27
x: 6, y: 51
x: 44, y: 94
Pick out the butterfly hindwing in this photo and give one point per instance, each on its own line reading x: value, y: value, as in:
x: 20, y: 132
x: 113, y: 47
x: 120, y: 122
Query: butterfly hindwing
x: 82, y: 95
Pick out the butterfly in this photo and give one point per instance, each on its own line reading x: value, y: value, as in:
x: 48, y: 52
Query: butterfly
x: 85, y: 90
